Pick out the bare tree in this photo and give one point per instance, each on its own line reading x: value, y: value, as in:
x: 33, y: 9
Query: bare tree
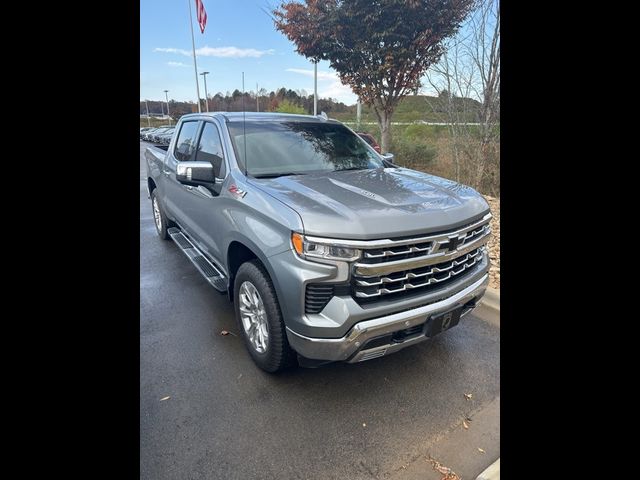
x: 470, y: 68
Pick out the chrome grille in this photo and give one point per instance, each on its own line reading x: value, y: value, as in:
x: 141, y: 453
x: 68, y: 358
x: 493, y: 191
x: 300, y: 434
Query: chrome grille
x: 393, y: 267
x: 369, y: 287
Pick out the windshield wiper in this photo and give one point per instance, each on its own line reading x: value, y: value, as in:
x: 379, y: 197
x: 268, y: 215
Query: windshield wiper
x: 275, y: 175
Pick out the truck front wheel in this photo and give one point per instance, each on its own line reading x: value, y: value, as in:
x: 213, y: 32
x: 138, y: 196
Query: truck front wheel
x: 260, y: 319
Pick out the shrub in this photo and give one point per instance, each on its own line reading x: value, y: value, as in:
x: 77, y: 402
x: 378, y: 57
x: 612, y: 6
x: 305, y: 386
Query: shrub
x: 413, y: 153
x: 287, y: 106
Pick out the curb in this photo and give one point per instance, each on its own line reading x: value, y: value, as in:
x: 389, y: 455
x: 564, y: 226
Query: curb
x: 492, y: 472
x: 491, y: 299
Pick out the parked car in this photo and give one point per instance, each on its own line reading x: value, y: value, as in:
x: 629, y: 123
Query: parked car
x: 144, y: 130
x: 370, y: 139
x: 149, y: 134
x: 146, y: 135
x: 164, y: 135
x: 162, y: 130
x: 328, y: 251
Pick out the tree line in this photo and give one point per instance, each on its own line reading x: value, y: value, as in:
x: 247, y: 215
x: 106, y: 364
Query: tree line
x: 281, y: 100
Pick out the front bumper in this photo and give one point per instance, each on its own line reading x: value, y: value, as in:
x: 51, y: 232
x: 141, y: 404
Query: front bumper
x: 353, y: 346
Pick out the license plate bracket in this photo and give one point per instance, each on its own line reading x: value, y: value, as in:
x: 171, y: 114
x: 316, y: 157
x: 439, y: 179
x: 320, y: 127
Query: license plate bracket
x: 442, y: 321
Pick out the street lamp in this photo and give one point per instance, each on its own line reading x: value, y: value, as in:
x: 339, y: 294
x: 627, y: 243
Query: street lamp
x: 206, y: 97
x: 166, y: 95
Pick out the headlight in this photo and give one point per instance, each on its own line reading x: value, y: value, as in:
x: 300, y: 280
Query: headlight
x: 322, y: 250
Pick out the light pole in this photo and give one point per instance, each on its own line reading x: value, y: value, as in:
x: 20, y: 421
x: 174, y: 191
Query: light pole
x: 206, y: 97
x: 148, y: 119
x: 166, y: 96
x: 315, y: 88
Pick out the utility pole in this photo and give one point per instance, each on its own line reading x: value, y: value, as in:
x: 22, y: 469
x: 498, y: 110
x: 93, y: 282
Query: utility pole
x: 166, y: 96
x: 206, y: 96
x: 358, y: 113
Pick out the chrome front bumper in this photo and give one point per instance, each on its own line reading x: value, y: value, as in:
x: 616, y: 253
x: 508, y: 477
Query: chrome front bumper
x: 352, y: 348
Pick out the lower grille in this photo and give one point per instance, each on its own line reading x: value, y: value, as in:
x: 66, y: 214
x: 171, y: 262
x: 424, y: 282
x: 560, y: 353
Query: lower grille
x: 371, y: 355
x: 419, y: 279
x: 400, y: 335
x: 316, y: 297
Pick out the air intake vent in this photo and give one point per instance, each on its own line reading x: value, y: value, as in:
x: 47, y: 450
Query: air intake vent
x: 317, y: 296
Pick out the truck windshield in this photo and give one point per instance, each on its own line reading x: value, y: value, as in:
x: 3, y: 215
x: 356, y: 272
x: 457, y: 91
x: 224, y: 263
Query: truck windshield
x: 294, y: 148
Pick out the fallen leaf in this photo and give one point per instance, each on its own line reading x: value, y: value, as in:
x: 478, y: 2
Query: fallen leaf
x: 468, y: 419
x: 481, y: 450
x: 165, y: 398
x: 468, y: 396
x: 446, y: 471
x: 364, y: 424
x: 465, y: 424
x: 224, y: 332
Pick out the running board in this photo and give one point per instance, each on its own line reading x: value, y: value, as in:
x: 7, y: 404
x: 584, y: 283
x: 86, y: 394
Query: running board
x: 208, y: 270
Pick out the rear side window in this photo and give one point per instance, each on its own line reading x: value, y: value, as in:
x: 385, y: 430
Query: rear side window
x: 210, y: 149
x: 367, y: 139
x: 186, y: 143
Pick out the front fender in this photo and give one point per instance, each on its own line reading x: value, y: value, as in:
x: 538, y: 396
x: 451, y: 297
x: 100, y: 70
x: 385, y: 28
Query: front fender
x: 264, y: 259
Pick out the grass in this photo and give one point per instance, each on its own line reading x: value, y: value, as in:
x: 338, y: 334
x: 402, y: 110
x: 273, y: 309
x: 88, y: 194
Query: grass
x: 155, y: 122
x: 414, y: 108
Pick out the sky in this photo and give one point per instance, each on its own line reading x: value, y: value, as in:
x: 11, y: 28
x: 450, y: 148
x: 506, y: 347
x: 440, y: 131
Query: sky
x: 239, y: 37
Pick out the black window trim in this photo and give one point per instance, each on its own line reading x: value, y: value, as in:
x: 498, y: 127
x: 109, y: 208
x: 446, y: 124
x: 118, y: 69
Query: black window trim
x: 197, y: 135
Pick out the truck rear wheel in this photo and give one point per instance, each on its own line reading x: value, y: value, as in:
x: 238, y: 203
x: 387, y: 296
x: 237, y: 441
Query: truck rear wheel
x: 159, y: 218
x: 260, y: 319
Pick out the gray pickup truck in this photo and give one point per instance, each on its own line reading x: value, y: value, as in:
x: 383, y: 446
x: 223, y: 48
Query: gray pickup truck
x: 328, y: 250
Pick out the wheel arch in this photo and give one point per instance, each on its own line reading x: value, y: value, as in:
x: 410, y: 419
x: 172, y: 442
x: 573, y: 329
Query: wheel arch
x: 240, y: 250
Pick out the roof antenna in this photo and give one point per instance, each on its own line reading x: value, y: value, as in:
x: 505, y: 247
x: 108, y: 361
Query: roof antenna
x: 244, y: 130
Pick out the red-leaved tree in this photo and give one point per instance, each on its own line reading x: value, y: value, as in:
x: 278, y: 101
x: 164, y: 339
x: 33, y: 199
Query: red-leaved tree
x: 380, y: 48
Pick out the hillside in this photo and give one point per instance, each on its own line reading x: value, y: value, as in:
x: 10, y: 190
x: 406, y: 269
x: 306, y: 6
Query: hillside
x: 417, y: 107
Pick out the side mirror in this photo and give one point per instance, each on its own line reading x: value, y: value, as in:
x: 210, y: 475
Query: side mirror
x: 388, y: 157
x: 195, y: 173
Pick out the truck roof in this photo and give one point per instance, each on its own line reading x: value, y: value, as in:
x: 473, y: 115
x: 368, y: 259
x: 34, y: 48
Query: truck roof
x: 260, y: 117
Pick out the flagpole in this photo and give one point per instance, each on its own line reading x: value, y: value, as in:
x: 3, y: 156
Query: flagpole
x: 193, y: 46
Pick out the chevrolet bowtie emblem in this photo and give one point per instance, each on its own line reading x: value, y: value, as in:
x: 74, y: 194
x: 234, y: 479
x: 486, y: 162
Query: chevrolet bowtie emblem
x: 453, y: 243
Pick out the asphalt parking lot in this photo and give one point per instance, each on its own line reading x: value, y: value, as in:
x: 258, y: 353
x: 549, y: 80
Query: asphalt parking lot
x: 226, y: 419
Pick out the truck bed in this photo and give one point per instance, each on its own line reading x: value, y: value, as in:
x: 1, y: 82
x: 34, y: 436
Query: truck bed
x: 155, y: 155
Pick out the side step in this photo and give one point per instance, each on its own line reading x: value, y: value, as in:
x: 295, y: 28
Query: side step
x: 208, y: 270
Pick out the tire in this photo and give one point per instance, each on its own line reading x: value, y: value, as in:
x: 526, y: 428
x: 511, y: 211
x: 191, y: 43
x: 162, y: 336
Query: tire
x: 277, y: 354
x: 159, y: 218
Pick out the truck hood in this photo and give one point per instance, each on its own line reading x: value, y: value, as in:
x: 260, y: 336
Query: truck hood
x: 379, y: 203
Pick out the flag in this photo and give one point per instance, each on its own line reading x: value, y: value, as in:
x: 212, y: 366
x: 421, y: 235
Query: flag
x: 202, y: 15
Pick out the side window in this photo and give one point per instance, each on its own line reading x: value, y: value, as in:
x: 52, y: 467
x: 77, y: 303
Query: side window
x: 367, y: 139
x: 186, y: 143
x: 210, y: 149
